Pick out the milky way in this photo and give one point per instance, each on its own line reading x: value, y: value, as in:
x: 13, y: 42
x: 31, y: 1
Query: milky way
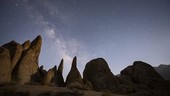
x: 121, y: 31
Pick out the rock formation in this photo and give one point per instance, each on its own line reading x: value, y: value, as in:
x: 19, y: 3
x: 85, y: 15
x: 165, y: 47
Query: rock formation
x: 27, y: 67
x: 74, y: 74
x: 54, y: 80
x: 60, y: 79
x: 15, y: 50
x: 87, y: 84
x: 99, y: 74
x: 48, y: 77
x: 5, y: 65
x: 10, y: 54
x: 41, y: 73
x: 26, y: 45
x: 143, y: 73
x: 19, y: 63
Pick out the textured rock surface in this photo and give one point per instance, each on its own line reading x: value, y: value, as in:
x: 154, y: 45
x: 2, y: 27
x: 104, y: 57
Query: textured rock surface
x: 58, y: 79
x: 74, y: 74
x: 5, y: 65
x: 28, y: 63
x: 143, y: 73
x: 42, y: 73
x: 99, y: 74
x: 26, y: 45
x: 15, y: 50
x: 48, y: 77
x: 88, y: 84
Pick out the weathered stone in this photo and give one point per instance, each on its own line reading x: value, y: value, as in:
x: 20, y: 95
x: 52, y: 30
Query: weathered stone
x: 5, y: 65
x: 60, y: 67
x: 48, y: 77
x: 27, y: 66
x: 99, y: 74
x: 42, y: 73
x: 26, y: 45
x: 143, y: 73
x: 88, y: 84
x: 55, y: 77
x: 60, y: 74
x: 74, y: 74
x: 127, y: 71
x: 58, y: 77
x: 15, y: 50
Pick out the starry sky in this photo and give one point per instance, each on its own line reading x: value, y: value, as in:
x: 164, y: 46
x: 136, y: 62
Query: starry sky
x: 120, y: 31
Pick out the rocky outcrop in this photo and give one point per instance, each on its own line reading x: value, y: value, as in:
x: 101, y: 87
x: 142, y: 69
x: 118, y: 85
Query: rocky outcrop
x: 60, y: 79
x: 5, y: 65
x: 54, y: 80
x: 143, y: 73
x: 27, y: 67
x: 99, y: 74
x: 21, y: 62
x: 87, y: 84
x: 41, y: 73
x: 15, y: 50
x: 10, y: 54
x: 74, y: 74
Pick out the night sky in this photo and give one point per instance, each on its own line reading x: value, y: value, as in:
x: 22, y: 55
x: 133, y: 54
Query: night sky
x: 120, y: 31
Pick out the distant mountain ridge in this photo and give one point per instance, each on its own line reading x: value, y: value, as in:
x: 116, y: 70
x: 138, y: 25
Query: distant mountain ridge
x: 164, y: 71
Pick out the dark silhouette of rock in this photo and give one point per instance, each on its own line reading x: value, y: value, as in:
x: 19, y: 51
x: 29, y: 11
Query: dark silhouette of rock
x: 26, y: 45
x: 88, y: 84
x: 74, y: 74
x: 27, y: 66
x: 99, y: 74
x: 60, y: 74
x: 127, y: 71
x: 145, y: 74
x: 41, y: 74
x: 5, y: 65
x: 60, y: 67
x: 164, y: 71
x: 42, y: 71
x: 15, y: 50
x: 58, y: 79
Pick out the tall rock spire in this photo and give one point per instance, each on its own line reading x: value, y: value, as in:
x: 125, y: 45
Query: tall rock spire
x: 74, y: 74
x: 60, y: 67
